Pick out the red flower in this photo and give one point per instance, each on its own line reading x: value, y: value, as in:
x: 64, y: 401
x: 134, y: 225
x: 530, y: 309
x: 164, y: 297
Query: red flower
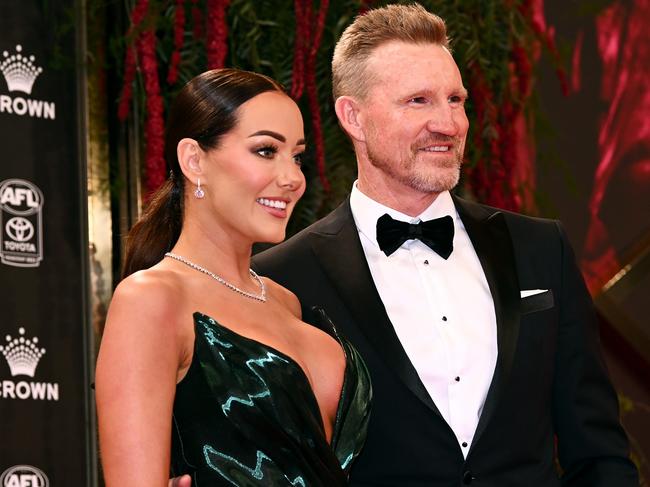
x: 137, y: 16
x: 312, y: 93
x: 179, y: 31
x: 217, y: 33
x: 301, y: 43
x: 197, y: 20
x: 155, y: 169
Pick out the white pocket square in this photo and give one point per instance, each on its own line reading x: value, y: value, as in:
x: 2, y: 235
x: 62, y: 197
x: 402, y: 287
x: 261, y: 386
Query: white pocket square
x: 531, y: 292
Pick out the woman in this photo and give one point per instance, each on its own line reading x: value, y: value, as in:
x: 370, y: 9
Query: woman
x: 245, y: 393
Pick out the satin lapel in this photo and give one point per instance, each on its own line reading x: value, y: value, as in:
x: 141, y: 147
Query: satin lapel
x: 491, y: 240
x: 338, y: 249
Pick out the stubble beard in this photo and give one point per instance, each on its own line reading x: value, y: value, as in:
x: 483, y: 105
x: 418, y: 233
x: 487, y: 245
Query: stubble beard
x: 436, y: 175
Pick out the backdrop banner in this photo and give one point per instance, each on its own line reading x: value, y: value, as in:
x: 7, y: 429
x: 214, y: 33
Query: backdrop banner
x: 43, y: 359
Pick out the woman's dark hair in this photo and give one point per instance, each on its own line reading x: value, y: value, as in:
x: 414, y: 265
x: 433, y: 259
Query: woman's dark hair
x: 204, y: 110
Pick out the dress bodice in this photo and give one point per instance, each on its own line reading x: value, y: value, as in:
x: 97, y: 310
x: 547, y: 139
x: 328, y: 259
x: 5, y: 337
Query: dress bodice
x: 245, y: 414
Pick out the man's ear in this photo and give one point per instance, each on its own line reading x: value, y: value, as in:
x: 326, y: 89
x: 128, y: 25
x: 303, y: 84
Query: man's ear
x: 190, y: 159
x: 348, y: 112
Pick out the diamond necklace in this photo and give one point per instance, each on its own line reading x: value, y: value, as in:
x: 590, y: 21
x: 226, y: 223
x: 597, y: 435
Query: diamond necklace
x: 257, y: 297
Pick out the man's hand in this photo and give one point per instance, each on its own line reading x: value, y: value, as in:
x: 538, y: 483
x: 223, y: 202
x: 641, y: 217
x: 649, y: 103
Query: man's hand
x: 182, y: 481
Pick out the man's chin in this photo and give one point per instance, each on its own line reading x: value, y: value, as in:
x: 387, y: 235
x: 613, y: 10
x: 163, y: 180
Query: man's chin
x: 442, y: 180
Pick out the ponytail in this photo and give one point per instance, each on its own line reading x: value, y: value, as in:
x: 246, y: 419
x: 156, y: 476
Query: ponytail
x: 157, y: 231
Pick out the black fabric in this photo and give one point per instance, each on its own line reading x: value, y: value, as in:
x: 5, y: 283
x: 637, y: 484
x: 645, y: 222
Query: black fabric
x: 245, y: 414
x: 437, y: 234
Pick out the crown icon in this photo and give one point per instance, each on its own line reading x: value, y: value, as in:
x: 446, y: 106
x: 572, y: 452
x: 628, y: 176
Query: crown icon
x: 19, y: 71
x: 22, y: 354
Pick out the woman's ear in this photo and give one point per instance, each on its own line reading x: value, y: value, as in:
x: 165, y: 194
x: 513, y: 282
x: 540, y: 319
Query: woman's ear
x: 190, y: 159
x: 348, y: 111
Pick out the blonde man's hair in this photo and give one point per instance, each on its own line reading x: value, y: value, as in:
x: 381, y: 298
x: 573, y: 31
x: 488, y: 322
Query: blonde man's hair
x: 405, y: 23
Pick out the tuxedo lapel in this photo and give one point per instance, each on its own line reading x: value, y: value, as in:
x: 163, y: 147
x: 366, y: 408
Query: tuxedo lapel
x: 493, y: 245
x: 339, y: 251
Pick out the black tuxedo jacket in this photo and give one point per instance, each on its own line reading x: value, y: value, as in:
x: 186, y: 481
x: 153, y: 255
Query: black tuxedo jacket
x: 550, y: 380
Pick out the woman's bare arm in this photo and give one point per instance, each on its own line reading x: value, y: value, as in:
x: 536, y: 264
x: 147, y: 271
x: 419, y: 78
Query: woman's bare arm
x: 139, y: 358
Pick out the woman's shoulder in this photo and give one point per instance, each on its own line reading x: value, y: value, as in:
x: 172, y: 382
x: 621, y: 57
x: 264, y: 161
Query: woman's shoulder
x: 155, y: 280
x: 153, y: 293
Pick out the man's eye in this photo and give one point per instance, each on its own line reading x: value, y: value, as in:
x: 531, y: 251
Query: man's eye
x: 418, y: 100
x: 456, y: 100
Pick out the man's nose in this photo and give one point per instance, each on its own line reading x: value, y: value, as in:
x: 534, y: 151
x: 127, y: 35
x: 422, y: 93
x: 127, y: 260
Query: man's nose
x: 442, y: 120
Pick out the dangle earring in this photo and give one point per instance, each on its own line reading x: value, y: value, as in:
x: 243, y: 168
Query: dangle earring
x: 198, y: 192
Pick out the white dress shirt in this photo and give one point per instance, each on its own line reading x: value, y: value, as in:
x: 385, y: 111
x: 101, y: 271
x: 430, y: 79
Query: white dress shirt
x: 442, y: 311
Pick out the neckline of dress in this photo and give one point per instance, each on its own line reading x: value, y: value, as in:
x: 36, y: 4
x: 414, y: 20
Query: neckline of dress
x: 294, y: 363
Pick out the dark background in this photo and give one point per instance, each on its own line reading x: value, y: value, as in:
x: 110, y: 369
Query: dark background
x: 48, y: 300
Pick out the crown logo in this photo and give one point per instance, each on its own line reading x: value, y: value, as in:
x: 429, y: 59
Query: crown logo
x: 19, y: 71
x: 22, y: 354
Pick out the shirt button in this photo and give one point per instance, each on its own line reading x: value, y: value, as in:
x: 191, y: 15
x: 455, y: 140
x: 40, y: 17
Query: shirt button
x: 426, y: 262
x: 444, y: 318
x: 464, y: 444
x: 457, y: 379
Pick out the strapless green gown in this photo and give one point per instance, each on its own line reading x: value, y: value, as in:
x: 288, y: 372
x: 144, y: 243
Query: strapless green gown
x: 246, y: 415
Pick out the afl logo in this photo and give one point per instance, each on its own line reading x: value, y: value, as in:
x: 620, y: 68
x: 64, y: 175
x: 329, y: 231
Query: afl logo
x: 20, y: 197
x: 23, y: 476
x: 21, y: 224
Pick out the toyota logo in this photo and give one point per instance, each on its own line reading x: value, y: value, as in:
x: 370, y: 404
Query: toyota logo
x: 20, y: 229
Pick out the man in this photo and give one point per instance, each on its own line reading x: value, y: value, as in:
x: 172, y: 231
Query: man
x: 483, y: 352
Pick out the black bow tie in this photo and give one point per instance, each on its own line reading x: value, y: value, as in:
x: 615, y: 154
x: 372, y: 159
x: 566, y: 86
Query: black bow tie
x: 438, y: 234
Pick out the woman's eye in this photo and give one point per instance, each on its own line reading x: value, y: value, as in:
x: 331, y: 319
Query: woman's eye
x: 267, y: 152
x: 298, y: 159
